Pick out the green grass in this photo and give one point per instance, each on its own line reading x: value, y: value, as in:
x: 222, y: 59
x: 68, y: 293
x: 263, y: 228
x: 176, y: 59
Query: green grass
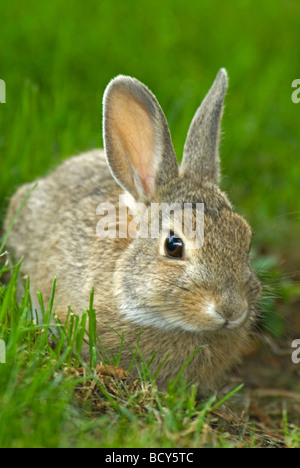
x: 51, y: 398
x: 43, y: 373
x: 56, y: 60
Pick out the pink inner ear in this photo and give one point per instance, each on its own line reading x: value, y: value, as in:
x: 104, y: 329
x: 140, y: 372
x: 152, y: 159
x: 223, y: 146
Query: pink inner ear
x: 134, y: 138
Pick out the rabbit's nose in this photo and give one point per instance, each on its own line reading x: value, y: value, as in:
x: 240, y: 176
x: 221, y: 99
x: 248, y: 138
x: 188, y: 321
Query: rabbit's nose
x: 233, y: 308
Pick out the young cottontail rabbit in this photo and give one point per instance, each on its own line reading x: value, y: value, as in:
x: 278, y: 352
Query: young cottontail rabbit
x: 170, y: 298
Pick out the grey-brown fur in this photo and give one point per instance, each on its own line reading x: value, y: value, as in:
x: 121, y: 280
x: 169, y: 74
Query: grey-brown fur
x: 180, y: 305
x: 200, y: 154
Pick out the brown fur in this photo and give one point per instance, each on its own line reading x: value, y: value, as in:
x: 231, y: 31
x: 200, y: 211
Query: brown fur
x: 136, y: 286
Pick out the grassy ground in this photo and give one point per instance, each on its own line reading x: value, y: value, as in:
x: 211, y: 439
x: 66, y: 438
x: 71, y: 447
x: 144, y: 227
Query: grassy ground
x: 51, y: 398
x: 56, y: 61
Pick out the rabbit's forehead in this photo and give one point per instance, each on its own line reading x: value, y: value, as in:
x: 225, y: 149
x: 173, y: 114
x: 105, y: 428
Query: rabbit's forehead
x: 186, y: 191
x: 226, y: 234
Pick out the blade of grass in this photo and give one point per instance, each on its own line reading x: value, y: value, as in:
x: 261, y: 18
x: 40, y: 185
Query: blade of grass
x: 226, y: 397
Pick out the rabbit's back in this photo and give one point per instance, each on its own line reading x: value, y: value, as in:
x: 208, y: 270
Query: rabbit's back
x: 56, y: 229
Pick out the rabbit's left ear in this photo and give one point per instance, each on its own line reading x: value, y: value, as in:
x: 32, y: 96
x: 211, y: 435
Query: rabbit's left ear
x: 137, y: 140
x: 201, y: 150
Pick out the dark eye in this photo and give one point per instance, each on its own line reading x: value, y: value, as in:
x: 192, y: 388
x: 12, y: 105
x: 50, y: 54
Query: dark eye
x: 174, y: 247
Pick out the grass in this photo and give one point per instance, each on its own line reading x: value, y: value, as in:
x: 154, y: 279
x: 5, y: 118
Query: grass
x: 56, y: 62
x: 51, y: 398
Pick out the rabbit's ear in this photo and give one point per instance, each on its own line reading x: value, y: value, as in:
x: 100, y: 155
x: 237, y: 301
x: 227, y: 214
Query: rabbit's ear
x: 201, y: 149
x: 137, y: 140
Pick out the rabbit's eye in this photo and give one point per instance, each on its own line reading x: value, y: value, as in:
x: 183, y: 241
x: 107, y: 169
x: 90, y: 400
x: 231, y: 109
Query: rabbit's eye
x: 174, y: 247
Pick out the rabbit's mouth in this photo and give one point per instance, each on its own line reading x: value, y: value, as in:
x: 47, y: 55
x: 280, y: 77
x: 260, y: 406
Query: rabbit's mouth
x: 238, y: 322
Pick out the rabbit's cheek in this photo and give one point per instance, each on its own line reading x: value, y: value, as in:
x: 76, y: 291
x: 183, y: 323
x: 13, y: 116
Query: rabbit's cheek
x: 198, y: 311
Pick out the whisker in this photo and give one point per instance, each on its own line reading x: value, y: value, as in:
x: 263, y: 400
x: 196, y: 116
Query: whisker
x: 174, y: 284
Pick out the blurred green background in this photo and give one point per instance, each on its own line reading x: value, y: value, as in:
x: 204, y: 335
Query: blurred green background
x: 57, y: 58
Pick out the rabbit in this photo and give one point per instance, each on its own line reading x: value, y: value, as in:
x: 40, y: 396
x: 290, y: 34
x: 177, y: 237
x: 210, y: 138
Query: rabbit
x: 197, y: 306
